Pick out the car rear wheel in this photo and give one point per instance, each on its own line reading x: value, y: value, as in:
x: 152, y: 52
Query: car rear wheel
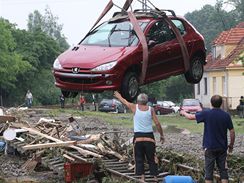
x: 158, y: 112
x: 195, y: 73
x: 130, y: 86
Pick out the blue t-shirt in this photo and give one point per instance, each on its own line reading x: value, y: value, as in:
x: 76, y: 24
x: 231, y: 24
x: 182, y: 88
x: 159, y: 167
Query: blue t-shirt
x: 216, y: 122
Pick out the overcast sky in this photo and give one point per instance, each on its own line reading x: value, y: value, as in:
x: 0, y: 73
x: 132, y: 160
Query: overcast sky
x: 77, y: 16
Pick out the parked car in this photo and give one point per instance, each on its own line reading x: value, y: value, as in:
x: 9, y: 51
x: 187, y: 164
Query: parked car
x: 160, y: 110
x: 169, y: 104
x: 111, y: 105
x: 110, y: 56
x: 191, y: 106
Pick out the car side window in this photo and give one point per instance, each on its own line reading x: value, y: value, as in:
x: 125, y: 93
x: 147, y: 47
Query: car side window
x: 180, y: 26
x: 160, y: 32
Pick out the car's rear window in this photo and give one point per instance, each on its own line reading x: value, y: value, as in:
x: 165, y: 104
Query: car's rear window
x: 113, y: 34
x: 191, y: 103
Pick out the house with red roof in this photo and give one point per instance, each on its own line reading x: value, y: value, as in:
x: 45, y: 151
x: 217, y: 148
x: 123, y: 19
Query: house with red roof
x: 224, y: 71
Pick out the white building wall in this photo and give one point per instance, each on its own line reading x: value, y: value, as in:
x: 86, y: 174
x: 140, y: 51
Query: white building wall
x: 205, y: 99
x: 236, y: 90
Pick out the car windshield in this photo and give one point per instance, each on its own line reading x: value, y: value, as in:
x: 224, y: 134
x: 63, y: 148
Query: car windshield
x: 191, y: 103
x: 113, y: 34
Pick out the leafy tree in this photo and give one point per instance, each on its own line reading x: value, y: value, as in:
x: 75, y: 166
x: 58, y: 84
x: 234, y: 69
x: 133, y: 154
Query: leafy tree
x: 28, y: 56
x: 210, y: 21
x: 12, y: 64
x: 48, y: 24
x: 238, y: 8
x: 40, y: 51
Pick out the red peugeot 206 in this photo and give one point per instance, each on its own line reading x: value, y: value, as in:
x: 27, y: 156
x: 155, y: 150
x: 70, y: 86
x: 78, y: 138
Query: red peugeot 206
x: 110, y: 57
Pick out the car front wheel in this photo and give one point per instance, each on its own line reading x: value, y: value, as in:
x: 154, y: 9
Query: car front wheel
x: 130, y: 86
x: 195, y: 73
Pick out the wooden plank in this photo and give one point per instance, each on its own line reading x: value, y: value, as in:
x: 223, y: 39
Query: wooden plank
x: 124, y: 175
x: 4, y: 119
x: 79, y: 149
x: 48, y: 145
x: 77, y: 157
x: 68, y: 157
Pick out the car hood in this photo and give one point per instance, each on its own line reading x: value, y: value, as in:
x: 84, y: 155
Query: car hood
x: 88, y: 57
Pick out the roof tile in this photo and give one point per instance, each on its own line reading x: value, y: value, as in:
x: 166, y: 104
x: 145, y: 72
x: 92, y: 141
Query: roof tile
x: 218, y: 63
x: 232, y: 36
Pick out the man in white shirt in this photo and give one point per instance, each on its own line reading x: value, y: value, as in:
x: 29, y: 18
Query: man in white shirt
x: 29, y: 99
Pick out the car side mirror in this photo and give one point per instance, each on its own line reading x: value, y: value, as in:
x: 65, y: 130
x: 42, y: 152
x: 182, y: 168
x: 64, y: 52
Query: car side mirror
x: 151, y: 43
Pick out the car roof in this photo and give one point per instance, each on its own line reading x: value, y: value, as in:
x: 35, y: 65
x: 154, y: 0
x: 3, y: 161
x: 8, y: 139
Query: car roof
x: 191, y: 99
x: 142, y: 15
x: 107, y: 99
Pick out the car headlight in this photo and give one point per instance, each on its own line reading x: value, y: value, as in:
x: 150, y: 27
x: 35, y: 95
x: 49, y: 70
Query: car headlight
x: 57, y: 65
x: 105, y: 67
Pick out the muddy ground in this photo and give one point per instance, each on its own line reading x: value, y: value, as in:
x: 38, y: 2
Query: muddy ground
x: 177, y: 140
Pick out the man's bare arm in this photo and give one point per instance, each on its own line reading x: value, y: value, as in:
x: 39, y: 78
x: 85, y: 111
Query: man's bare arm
x: 131, y: 106
x: 187, y: 115
x: 232, y: 140
x: 158, y: 125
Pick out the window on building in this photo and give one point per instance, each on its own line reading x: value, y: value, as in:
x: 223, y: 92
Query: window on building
x: 218, y: 51
x: 224, y: 86
x: 198, y: 88
x: 214, y: 86
x: 205, y: 86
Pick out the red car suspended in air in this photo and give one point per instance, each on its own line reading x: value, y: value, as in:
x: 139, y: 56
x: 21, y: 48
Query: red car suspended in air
x: 130, y: 50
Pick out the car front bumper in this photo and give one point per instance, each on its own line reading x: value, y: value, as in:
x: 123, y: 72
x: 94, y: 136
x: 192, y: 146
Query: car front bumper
x: 86, y: 81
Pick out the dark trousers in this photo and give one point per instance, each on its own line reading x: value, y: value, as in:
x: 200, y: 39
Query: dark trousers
x: 82, y: 107
x: 62, y: 104
x: 218, y: 156
x: 145, y: 150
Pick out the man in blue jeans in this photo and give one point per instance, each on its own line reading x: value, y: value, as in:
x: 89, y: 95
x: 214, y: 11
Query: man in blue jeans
x: 216, y: 124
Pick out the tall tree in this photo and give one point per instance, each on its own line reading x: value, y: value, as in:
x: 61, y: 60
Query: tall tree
x: 11, y: 63
x: 237, y: 8
x: 210, y: 21
x: 47, y: 23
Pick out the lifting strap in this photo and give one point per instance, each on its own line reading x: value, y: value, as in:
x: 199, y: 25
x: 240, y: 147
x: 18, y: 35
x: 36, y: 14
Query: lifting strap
x: 105, y: 11
x: 143, y: 41
x: 180, y: 39
x: 127, y: 5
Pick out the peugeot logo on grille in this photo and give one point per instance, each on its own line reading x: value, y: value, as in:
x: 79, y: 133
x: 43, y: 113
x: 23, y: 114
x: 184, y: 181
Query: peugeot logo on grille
x: 75, y: 70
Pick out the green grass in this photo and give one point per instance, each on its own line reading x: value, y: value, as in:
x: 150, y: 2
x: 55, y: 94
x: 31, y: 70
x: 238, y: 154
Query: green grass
x: 182, y: 122
x: 127, y: 120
